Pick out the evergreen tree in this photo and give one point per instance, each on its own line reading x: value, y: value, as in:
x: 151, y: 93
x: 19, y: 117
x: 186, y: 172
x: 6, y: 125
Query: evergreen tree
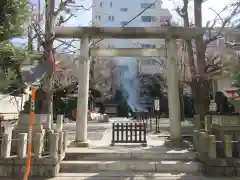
x: 13, y: 16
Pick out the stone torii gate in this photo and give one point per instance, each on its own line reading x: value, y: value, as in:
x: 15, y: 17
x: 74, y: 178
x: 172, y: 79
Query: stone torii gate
x: 170, y: 34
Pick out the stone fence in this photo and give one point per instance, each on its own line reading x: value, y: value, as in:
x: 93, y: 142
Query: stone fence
x: 220, y: 158
x: 48, y: 150
x: 217, y: 144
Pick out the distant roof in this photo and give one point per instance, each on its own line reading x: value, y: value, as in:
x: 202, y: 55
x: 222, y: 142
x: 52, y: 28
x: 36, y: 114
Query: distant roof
x: 165, y: 12
x: 32, y: 74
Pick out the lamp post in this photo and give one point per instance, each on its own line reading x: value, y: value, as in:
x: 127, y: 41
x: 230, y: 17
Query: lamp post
x: 157, y: 109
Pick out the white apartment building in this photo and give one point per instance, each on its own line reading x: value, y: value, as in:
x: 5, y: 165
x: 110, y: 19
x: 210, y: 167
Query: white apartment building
x: 117, y: 13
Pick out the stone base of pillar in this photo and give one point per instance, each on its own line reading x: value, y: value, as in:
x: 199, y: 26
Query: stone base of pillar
x: 176, y: 143
x: 78, y: 144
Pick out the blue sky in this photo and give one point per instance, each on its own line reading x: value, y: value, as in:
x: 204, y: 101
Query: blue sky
x: 84, y: 17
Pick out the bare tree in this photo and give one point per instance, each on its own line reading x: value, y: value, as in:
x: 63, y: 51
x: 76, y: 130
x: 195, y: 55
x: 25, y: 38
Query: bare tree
x: 197, y: 51
x: 46, y: 37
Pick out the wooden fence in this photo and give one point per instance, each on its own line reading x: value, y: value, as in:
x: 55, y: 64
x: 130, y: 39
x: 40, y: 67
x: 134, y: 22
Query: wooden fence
x: 129, y: 133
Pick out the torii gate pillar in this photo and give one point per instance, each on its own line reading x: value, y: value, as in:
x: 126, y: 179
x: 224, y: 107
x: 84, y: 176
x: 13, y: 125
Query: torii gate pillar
x: 173, y: 92
x: 83, y: 86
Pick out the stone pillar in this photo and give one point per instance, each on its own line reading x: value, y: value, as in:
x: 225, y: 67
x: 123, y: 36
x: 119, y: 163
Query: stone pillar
x: 6, y: 145
x: 173, y: 91
x: 228, y: 146
x: 38, y: 145
x: 22, y: 145
x: 59, y: 125
x: 65, y: 139
x: 83, y: 90
x: 54, y: 138
x: 212, y: 147
x: 60, y: 142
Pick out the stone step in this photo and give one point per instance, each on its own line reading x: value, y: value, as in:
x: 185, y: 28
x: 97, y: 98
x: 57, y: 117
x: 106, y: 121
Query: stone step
x: 127, y: 176
x: 133, y: 176
x: 131, y: 166
x: 108, y: 155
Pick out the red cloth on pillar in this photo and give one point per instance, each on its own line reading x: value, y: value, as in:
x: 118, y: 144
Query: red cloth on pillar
x: 75, y: 114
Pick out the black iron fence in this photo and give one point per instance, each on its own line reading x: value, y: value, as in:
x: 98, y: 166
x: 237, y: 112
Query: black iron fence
x: 129, y: 133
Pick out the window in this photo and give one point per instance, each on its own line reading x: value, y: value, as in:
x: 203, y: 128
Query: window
x: 146, y: 5
x: 101, y: 4
x: 110, y: 46
x: 110, y: 4
x: 123, y: 23
x: 111, y: 18
x: 124, y: 9
x: 148, y: 19
x: 98, y: 18
x: 148, y: 45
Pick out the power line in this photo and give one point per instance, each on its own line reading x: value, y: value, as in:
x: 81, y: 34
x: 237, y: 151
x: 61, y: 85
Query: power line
x: 135, y: 17
x: 128, y: 22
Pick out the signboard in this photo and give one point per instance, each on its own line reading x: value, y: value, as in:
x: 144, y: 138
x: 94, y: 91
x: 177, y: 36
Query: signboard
x: 157, y: 105
x: 213, y: 106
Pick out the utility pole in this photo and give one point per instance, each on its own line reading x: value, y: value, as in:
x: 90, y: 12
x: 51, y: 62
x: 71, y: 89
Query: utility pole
x: 48, y: 52
x: 30, y: 39
x: 39, y: 26
x: 201, y: 86
x: 199, y: 39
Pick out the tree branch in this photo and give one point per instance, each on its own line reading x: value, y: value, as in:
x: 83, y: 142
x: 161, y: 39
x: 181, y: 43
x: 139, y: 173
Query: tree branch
x: 225, y: 22
x: 61, y: 7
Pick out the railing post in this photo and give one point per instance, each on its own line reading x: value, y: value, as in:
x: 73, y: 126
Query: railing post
x: 127, y: 132
x: 60, y: 143
x: 47, y: 140
x: 140, y: 132
x: 117, y: 131
x: 196, y: 122
x: 113, y: 134
x: 212, y: 147
x: 65, y: 139
x: 195, y: 139
x: 22, y: 145
x: 54, y: 145
x: 135, y: 131
x: 228, y: 146
x: 6, y: 145
x: 122, y: 132
x: 208, y: 122
x: 145, y: 133
x: 201, y: 141
x: 59, y: 125
x: 38, y: 145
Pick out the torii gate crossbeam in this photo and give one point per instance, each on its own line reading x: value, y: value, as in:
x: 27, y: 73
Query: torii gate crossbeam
x: 170, y: 34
